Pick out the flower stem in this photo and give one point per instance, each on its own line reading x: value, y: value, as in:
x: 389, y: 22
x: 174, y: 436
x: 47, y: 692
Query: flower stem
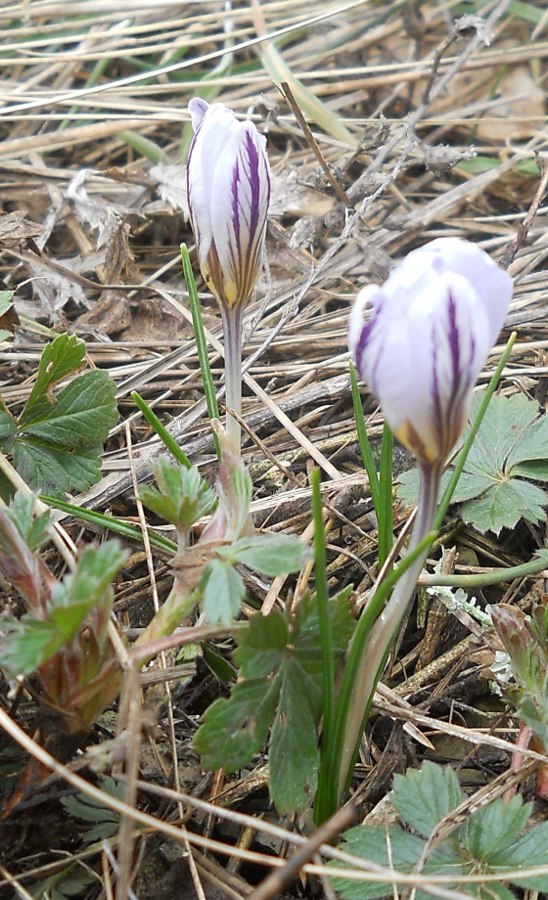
x: 386, y: 626
x: 232, y: 328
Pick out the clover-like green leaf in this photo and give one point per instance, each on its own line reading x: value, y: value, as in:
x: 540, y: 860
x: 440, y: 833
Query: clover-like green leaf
x: 491, y: 842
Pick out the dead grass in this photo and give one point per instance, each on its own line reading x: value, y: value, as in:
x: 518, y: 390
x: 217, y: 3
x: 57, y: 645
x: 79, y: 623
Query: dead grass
x: 444, y: 132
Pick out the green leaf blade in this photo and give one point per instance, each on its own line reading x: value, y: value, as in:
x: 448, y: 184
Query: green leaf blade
x: 504, y: 504
x: 270, y: 554
x: 222, y: 591
x: 294, y: 757
x: 530, y: 850
x: 490, y: 830
x: 234, y: 729
x: 392, y: 848
x: 56, y: 470
x: 82, y: 415
x: 63, y: 357
x: 423, y: 797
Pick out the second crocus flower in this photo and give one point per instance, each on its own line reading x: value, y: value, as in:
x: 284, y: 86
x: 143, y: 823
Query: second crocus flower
x: 419, y: 342
x: 228, y: 188
x: 430, y: 328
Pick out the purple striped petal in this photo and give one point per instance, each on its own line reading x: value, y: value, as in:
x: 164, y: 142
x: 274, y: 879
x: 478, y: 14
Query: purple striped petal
x: 429, y: 331
x: 228, y: 180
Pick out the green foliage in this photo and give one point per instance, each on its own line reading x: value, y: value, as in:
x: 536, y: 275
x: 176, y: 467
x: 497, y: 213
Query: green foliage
x: 30, y: 642
x: 280, y: 685
x: 99, y: 824
x: 269, y: 554
x: 510, y: 451
x: 222, y: 587
x: 525, y: 639
x: 182, y: 496
x: 57, y: 440
x: 5, y: 306
x: 423, y: 798
x: 100, y: 821
x: 222, y: 592
x: 490, y: 842
x: 33, y: 531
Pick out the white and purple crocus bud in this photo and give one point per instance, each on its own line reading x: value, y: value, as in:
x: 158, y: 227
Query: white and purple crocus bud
x: 430, y: 328
x: 228, y: 188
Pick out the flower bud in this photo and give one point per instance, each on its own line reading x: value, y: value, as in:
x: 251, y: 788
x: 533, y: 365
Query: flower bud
x: 228, y: 188
x: 429, y: 331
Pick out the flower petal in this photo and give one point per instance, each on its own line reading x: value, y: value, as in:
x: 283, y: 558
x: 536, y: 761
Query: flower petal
x: 428, y: 335
x: 229, y: 190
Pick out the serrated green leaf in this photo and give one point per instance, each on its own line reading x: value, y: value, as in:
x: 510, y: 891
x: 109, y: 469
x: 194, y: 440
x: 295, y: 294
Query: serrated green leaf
x: 528, y: 851
x: 234, y: 729
x: 269, y: 554
x: 54, y: 470
x: 503, y: 504
x: 27, y: 644
x: 82, y: 414
x: 33, y: 530
x: 222, y: 592
x: 536, y: 469
x: 490, y: 830
x: 533, y: 443
x: 281, y: 671
x: 510, y: 448
x: 423, y: 797
x: 96, y: 568
x: 30, y: 642
x: 470, y: 485
x: 392, y: 847
x: 8, y: 430
x: 60, y: 449
x: 261, y: 645
x: 294, y: 757
x: 503, y: 427
x: 182, y: 496
x: 63, y: 357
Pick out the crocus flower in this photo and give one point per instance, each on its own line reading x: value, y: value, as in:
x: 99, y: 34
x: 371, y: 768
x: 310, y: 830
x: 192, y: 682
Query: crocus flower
x: 228, y: 188
x: 430, y: 329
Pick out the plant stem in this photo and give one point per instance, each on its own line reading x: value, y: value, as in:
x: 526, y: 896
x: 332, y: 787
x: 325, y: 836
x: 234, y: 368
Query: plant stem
x: 232, y: 328
x: 386, y: 626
